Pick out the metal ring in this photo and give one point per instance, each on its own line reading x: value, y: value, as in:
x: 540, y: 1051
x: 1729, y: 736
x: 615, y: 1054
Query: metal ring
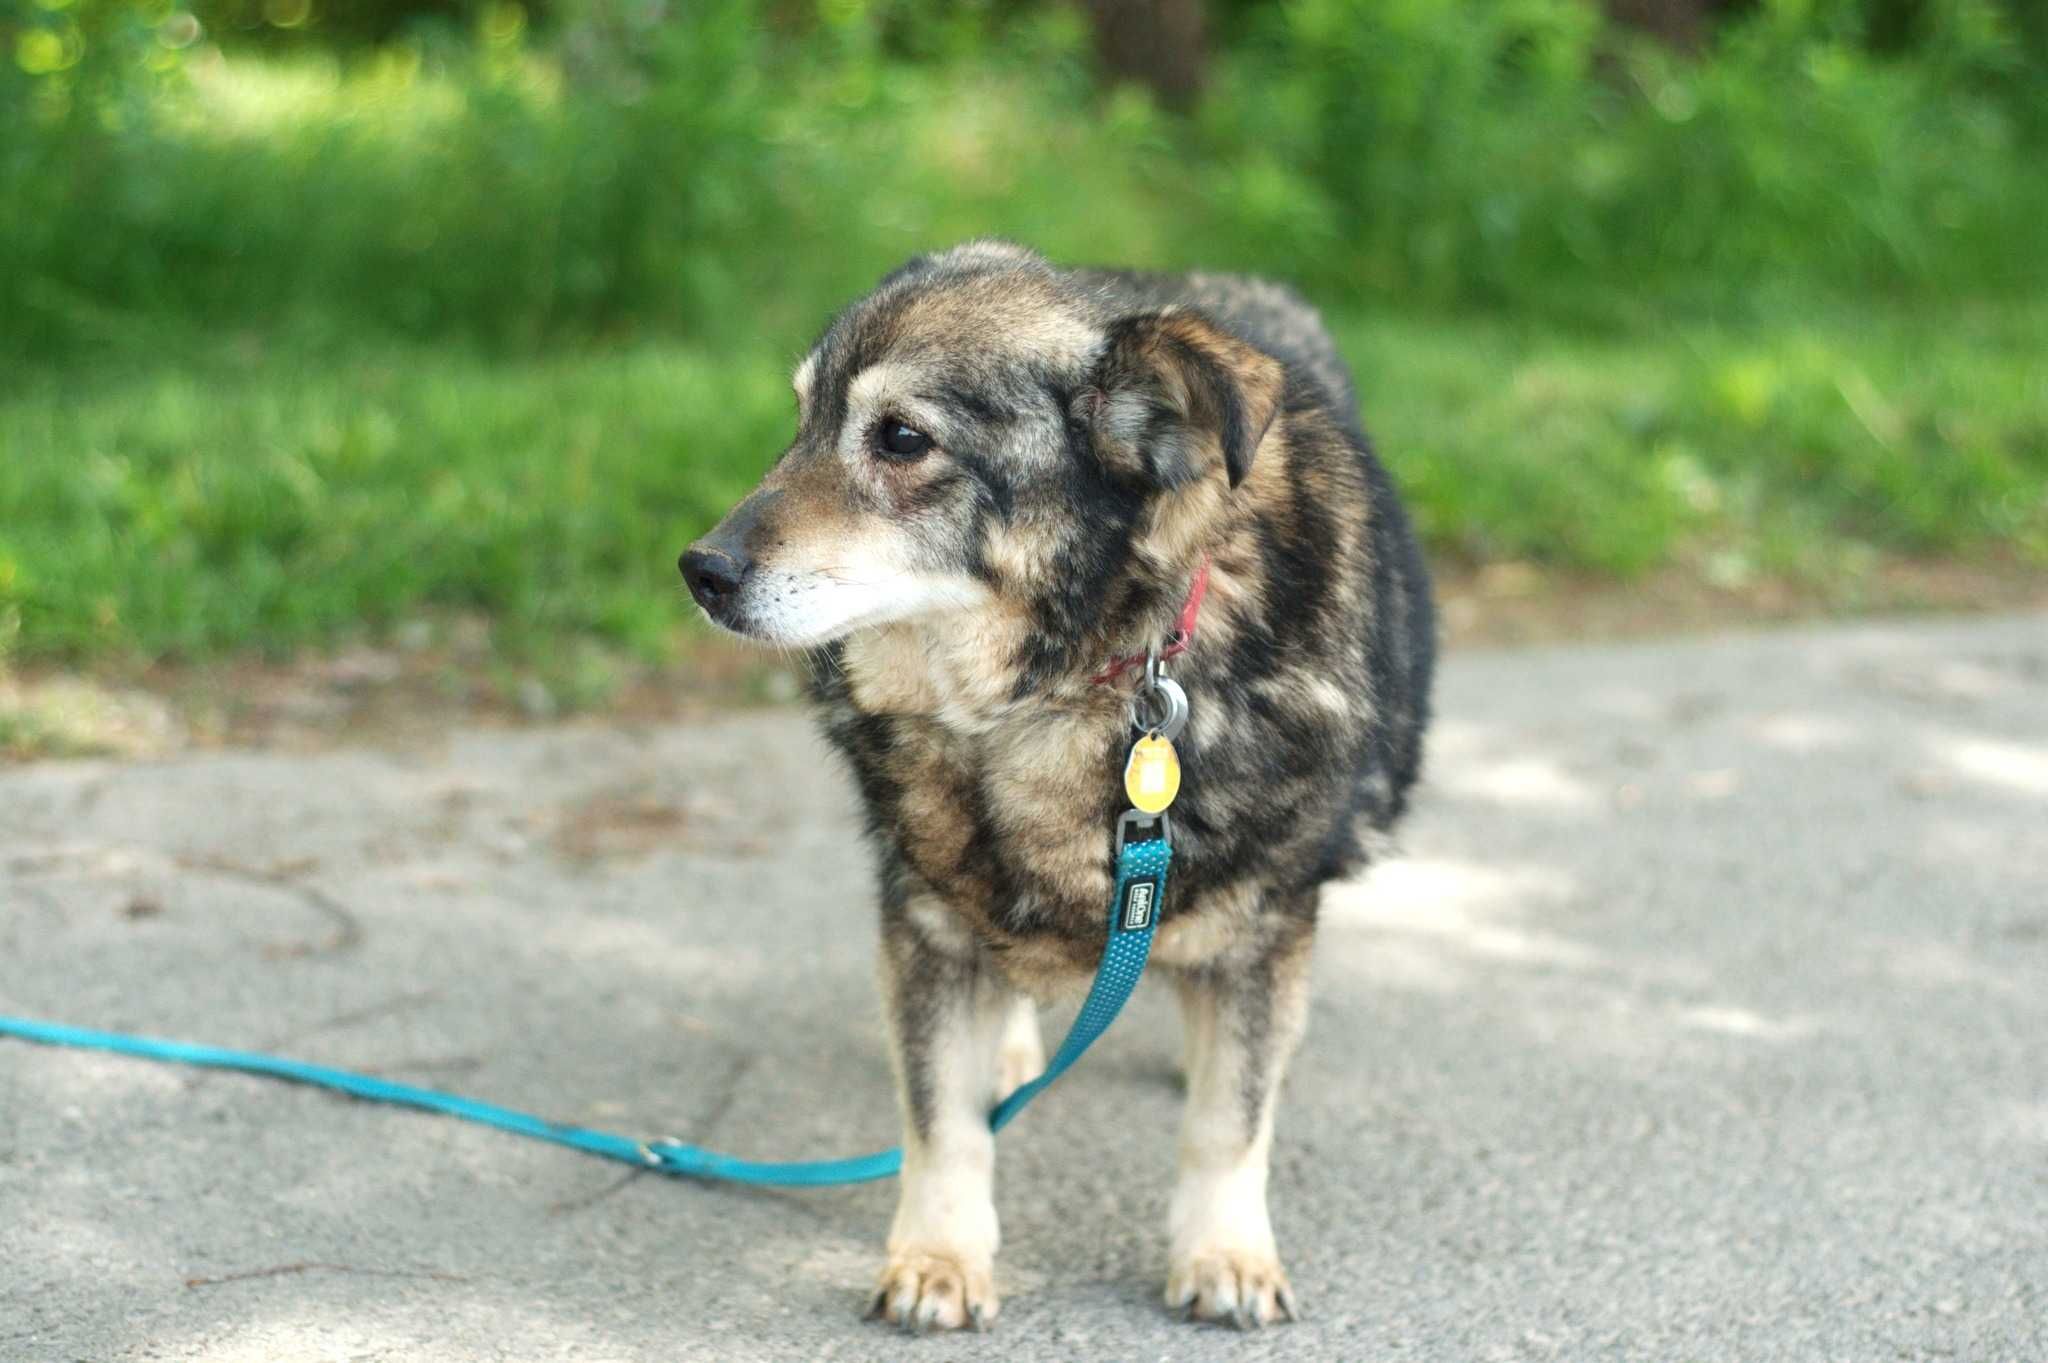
x: 1159, y: 707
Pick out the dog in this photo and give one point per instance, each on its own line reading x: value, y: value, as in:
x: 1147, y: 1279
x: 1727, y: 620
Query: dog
x: 1005, y: 476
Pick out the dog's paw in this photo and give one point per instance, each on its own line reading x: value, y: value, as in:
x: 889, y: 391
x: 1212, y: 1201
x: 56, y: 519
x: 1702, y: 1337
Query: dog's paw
x: 1239, y: 1287
x: 936, y: 1290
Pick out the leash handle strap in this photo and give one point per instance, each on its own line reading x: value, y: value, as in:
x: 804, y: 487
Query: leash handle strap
x: 1133, y: 914
x: 1140, y: 882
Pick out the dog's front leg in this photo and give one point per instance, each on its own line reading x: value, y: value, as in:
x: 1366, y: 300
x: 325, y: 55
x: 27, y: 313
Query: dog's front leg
x: 947, y: 1013
x: 1243, y: 1017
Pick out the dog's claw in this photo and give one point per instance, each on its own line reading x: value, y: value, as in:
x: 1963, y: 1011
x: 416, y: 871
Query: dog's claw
x: 1233, y: 1288
x: 928, y: 1292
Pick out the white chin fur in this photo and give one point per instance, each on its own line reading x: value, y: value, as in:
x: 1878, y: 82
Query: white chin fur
x: 801, y: 610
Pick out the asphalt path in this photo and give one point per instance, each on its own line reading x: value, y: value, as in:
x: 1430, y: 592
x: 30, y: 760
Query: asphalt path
x: 1704, y: 1016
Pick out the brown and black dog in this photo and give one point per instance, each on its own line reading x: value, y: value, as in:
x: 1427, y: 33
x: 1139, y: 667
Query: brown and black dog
x: 1006, y: 474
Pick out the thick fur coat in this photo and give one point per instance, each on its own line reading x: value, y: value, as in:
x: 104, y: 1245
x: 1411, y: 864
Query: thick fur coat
x: 1004, y: 476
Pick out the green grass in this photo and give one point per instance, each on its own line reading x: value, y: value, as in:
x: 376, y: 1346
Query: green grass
x: 208, y: 497
x: 1796, y: 446
x: 237, y: 500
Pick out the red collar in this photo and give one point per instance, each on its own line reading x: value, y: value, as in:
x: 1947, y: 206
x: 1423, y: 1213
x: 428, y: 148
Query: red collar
x: 1183, y: 630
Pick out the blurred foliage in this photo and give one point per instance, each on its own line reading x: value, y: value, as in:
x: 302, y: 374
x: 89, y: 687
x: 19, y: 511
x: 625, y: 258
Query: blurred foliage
x: 80, y: 66
x: 332, y: 23
x: 315, y: 315
x: 648, y: 163
x: 1517, y: 152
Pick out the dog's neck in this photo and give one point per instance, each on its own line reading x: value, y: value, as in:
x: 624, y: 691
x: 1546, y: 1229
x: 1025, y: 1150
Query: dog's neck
x: 973, y: 671
x: 1176, y: 642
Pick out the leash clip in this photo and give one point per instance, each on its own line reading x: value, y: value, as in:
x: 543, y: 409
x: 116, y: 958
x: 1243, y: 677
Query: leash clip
x: 1138, y: 819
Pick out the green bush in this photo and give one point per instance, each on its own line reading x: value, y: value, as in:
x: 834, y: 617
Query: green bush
x: 1521, y: 152
x: 697, y: 172
x: 468, y: 199
x: 714, y: 176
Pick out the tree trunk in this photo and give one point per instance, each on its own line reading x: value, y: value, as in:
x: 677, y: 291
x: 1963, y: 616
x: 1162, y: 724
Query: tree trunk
x: 1162, y: 44
x: 1679, y: 24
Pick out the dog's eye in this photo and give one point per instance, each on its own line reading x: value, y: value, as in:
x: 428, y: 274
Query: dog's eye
x: 898, y: 441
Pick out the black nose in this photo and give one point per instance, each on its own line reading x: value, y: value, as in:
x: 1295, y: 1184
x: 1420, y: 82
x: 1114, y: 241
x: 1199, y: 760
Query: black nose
x: 713, y: 577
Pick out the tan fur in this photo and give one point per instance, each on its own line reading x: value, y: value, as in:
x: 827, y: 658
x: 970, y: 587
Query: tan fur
x: 1029, y: 796
x: 1227, y: 924
x: 1183, y: 525
x: 946, y: 669
x: 889, y: 674
x: 1023, y: 317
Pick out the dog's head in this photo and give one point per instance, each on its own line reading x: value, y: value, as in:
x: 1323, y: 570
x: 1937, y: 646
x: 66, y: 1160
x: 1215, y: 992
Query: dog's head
x: 983, y: 433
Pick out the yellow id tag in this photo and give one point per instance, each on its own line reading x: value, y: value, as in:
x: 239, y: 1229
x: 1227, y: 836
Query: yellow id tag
x: 1152, y: 776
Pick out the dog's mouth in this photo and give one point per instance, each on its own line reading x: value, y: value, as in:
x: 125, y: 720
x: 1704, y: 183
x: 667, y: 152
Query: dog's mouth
x: 810, y: 609
x: 766, y: 612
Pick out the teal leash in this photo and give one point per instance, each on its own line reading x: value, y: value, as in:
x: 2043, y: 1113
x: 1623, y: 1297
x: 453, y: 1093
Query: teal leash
x: 1133, y: 914
x: 1158, y: 711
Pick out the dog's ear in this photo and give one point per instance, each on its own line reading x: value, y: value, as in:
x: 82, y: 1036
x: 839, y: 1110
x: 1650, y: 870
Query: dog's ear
x: 1174, y: 396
